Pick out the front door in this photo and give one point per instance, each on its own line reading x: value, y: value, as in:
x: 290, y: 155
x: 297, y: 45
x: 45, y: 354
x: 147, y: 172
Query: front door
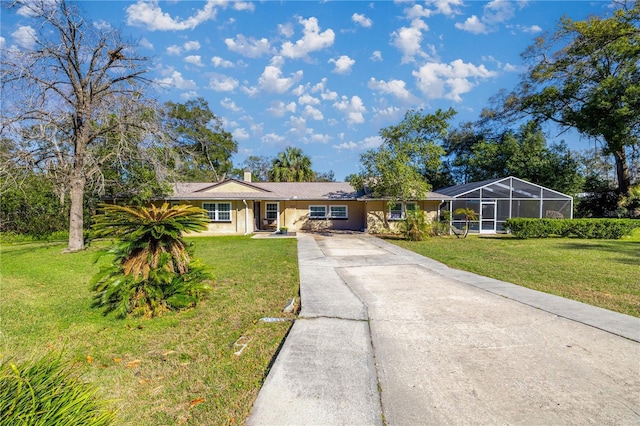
x: 488, y: 218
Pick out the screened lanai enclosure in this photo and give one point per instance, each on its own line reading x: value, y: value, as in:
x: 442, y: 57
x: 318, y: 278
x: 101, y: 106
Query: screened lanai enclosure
x: 496, y: 200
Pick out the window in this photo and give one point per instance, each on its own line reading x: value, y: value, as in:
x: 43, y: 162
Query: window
x: 399, y: 211
x: 338, y: 212
x: 317, y: 212
x: 271, y: 211
x: 395, y: 211
x: 218, y: 212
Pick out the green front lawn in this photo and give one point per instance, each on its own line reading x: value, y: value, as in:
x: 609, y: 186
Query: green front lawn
x: 603, y: 273
x: 176, y: 369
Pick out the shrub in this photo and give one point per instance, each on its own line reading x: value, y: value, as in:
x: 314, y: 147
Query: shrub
x: 152, y: 269
x: 581, y: 228
x: 414, y: 227
x: 48, y: 391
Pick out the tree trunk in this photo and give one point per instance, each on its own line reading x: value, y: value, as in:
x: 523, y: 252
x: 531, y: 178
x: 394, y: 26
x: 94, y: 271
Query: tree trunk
x: 622, y: 171
x: 76, y: 221
x: 77, y: 184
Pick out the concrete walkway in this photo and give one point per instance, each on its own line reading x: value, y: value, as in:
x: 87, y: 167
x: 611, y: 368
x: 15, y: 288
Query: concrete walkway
x: 386, y: 336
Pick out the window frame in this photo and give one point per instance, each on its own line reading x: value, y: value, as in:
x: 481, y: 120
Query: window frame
x: 216, y: 213
x: 324, y: 207
x: 403, y: 210
x: 275, y: 212
x: 346, y: 211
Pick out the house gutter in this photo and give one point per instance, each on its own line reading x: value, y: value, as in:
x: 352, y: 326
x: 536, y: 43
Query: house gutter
x: 246, y: 217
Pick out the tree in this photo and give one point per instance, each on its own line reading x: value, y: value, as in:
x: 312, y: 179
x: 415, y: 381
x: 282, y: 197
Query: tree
x: 291, y: 165
x: 204, y: 146
x: 152, y: 270
x: 469, y: 216
x: 33, y: 207
x: 259, y: 166
x: 586, y: 76
x: 410, y: 151
x: 78, y: 83
x: 523, y: 154
x: 329, y: 176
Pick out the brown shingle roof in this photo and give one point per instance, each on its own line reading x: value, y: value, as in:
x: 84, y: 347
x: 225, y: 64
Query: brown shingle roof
x: 266, y: 190
x: 275, y: 191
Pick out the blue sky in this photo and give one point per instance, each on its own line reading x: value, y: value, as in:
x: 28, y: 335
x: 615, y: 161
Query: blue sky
x: 327, y: 76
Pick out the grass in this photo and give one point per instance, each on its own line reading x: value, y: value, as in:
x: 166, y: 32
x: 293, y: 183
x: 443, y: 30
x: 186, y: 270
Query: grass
x: 176, y: 369
x: 604, y: 273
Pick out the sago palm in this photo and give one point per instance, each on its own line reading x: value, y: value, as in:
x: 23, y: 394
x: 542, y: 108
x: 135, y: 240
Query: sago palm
x: 152, y: 269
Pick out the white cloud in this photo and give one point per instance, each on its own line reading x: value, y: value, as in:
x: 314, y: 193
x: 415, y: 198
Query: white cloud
x: 319, y: 86
x: 311, y: 41
x: 298, y: 125
x: 417, y: 11
x: 149, y: 14
x: 449, y: 81
x: 194, y: 60
x: 533, y: 29
x: 176, y: 80
x: 222, y: 83
x: 25, y: 37
x: 409, y: 39
x: 361, y: 20
x: 498, y: 11
x: 146, y: 43
x: 514, y: 68
x: 473, y: 25
x: 244, y: 6
x: 307, y: 99
x: 390, y: 113
x: 279, y: 108
x: 272, y: 80
x: 352, y: 108
x: 257, y: 129
x: 191, y: 94
x: 240, y: 134
x: 250, y: 91
x: 228, y: 103
x: 174, y: 49
x: 313, y: 113
x: 3, y: 42
x: 367, y: 143
x: 494, y: 13
x: 329, y: 95
x: 319, y: 138
x: 248, y: 46
x: 191, y: 45
x: 447, y: 7
x: 102, y: 25
x: 31, y: 8
x: 218, y: 62
x: 272, y: 138
x: 300, y: 90
x: 286, y: 29
x: 325, y: 94
x: 342, y: 65
x: 396, y: 88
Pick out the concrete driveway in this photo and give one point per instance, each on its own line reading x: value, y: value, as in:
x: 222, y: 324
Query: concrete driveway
x: 386, y: 336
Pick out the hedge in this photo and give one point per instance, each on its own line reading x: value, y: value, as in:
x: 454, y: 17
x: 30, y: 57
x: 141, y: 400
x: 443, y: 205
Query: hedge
x: 581, y: 228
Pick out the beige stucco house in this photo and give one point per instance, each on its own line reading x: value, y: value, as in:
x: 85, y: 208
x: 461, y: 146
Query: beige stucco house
x: 244, y: 207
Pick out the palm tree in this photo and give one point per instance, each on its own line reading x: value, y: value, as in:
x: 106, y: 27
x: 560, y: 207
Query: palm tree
x: 469, y: 215
x: 152, y: 270
x: 291, y: 165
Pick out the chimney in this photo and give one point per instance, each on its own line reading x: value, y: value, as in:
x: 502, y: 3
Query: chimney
x: 247, y: 175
